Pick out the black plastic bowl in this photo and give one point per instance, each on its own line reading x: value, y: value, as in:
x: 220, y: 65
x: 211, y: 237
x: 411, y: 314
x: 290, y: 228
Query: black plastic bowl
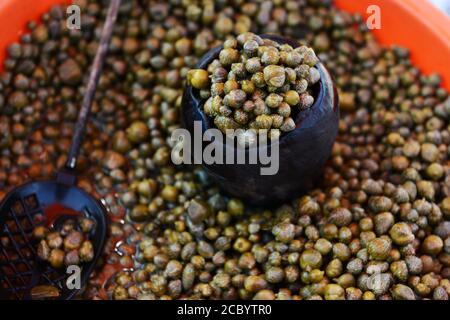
x: 302, y: 152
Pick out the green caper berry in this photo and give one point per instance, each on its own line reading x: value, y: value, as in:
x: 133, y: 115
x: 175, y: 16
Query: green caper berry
x: 435, y: 171
x: 18, y: 100
x: 383, y: 222
x: 445, y: 206
x: 235, y: 207
x: 400, y: 270
x: 379, y: 249
x: 205, y: 94
x: 283, y: 57
x: 284, y: 110
x: 302, y: 71
x: 225, y: 111
x: 183, y: 46
x: 306, y: 101
x: 139, y: 213
x: 263, y: 121
x: 402, y: 292
x: 248, y: 106
x: 223, y: 26
x: 314, y: 76
x: 259, y: 80
x: 429, y: 152
x: 253, y: 65
x: 230, y: 85
x: 241, y: 117
x: 426, y: 189
x: 334, y: 268
x: 208, y: 108
x: 277, y: 121
x: 411, y: 149
x: 248, y: 87
x: 355, y: 266
x: 217, y: 89
x: 273, y: 100
x: 242, y: 38
x: 284, y: 232
x: 261, y: 108
x: 379, y: 283
x: 198, y: 78
x: 310, y: 58
x: 239, y: 70
x: 334, y: 292
x: 345, y: 235
x: 251, y: 48
x: 274, y: 275
x: 316, y: 275
x: 230, y: 44
x: 301, y: 86
x: 401, y: 234
x: 228, y: 56
x: 274, y: 76
x: 346, y: 280
x: 293, y: 59
x: 219, y: 75
x: 292, y: 98
x: 432, y: 245
x: 291, y: 75
x: 270, y: 56
x: 223, y: 123
x: 368, y: 295
x: 288, y: 125
x: 235, y: 98
x: 310, y: 259
x: 255, y: 283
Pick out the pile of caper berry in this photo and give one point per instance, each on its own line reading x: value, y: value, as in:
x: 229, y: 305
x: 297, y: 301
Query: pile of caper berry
x: 257, y: 84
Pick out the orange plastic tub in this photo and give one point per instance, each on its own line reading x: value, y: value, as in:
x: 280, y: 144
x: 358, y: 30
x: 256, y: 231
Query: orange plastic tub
x: 415, y: 24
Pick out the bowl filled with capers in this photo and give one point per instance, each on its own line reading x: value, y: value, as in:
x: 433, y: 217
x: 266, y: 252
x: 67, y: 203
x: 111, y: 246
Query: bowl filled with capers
x: 269, y: 84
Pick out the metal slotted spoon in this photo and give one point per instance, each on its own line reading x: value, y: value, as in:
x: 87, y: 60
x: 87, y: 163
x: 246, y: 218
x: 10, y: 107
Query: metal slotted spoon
x: 33, y: 204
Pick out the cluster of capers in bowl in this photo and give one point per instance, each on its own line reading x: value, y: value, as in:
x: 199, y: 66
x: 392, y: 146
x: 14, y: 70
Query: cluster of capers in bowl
x: 257, y: 83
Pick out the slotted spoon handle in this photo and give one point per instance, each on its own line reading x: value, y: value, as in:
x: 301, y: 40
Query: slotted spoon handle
x: 94, y: 77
